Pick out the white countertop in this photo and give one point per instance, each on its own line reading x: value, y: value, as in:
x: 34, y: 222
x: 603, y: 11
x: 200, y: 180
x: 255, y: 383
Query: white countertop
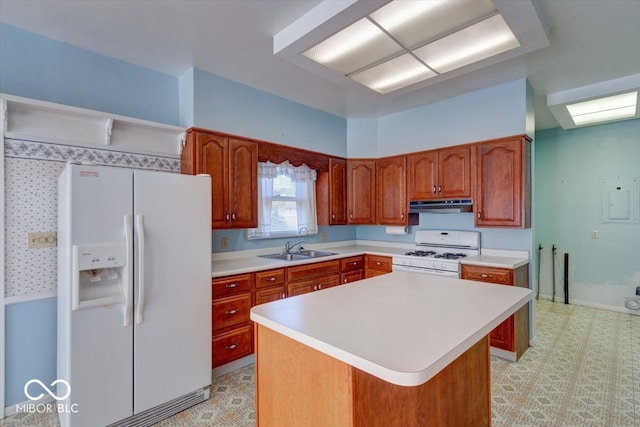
x: 495, y: 261
x: 252, y: 262
x: 402, y: 327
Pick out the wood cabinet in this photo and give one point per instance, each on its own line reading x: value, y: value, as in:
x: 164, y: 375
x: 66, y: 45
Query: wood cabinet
x: 512, y: 335
x: 375, y: 265
x: 312, y: 277
x: 503, y: 194
x: 351, y: 269
x: 361, y: 191
x: 331, y: 193
x: 391, y: 192
x: 233, y: 166
x: 232, y: 331
x: 270, y: 286
x: 440, y: 174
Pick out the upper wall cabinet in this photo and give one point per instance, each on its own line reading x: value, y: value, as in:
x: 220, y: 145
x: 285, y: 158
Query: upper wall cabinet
x: 503, y: 194
x: 391, y: 189
x: 361, y: 191
x: 440, y: 174
x: 331, y: 193
x: 233, y: 166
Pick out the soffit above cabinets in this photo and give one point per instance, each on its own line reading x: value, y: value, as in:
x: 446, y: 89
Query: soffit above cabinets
x: 400, y: 46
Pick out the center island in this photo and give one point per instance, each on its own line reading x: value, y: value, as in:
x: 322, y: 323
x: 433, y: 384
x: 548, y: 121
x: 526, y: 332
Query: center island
x: 402, y: 349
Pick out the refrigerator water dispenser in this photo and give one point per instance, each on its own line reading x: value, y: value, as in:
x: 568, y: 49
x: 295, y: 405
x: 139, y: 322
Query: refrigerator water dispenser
x: 98, y: 275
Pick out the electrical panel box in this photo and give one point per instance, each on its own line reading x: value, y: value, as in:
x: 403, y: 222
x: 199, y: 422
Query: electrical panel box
x: 619, y: 200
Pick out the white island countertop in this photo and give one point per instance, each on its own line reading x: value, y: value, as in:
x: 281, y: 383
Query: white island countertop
x: 402, y: 327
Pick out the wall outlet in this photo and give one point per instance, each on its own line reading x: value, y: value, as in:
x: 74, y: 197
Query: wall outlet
x: 595, y: 234
x: 323, y: 235
x: 42, y: 239
x: 224, y: 242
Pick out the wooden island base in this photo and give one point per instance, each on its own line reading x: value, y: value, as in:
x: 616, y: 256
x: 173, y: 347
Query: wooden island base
x: 300, y: 386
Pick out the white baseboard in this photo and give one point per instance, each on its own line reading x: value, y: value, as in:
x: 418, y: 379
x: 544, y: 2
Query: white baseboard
x: 232, y: 366
x: 503, y: 354
x: 592, y: 305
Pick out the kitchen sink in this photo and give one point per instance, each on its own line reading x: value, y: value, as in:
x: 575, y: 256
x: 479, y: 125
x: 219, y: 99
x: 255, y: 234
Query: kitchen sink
x: 315, y: 254
x: 298, y: 256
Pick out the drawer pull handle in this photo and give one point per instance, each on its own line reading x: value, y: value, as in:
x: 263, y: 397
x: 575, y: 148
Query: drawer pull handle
x: 231, y: 347
x: 354, y: 262
x: 231, y: 285
x: 271, y: 279
x: 378, y: 263
x: 231, y: 312
x: 484, y: 276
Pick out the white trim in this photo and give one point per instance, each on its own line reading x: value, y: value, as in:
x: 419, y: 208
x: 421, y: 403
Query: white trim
x: 593, y: 305
x: 503, y: 354
x: 13, y: 409
x: 232, y: 366
x: 30, y: 297
x: 3, y: 122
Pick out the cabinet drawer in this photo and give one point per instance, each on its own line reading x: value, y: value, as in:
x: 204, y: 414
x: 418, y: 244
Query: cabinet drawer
x: 502, y: 276
x: 309, y: 271
x: 381, y: 263
x: 230, y: 311
x: 352, y: 263
x: 225, y: 286
x: 231, y: 345
x: 269, y: 294
x: 352, y: 276
x: 269, y: 278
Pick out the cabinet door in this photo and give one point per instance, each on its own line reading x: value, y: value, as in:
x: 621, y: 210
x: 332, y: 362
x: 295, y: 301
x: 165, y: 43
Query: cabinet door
x: 422, y: 175
x: 328, y: 281
x: 502, y: 336
x: 337, y: 191
x: 361, y: 194
x: 503, y: 184
x: 454, y: 176
x: 302, y: 287
x: 391, y: 191
x: 243, y: 183
x: 269, y: 294
x: 352, y: 276
x: 211, y: 158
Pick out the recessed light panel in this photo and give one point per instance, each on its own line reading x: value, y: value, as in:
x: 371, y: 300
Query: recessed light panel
x: 414, y: 23
x: 472, y: 44
x: 394, y: 74
x: 353, y: 48
x: 606, y: 109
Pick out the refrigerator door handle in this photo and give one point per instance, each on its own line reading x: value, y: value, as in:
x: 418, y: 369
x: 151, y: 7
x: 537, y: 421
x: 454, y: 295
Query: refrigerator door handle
x: 140, y: 234
x: 128, y: 239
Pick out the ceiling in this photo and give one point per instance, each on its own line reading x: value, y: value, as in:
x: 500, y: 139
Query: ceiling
x: 591, y: 41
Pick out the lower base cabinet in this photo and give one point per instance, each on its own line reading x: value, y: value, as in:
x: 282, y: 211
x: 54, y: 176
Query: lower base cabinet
x: 233, y: 296
x: 512, y: 335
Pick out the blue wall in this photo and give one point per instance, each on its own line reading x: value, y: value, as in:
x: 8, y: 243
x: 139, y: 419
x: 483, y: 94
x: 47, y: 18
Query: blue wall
x: 38, y: 67
x: 569, y: 167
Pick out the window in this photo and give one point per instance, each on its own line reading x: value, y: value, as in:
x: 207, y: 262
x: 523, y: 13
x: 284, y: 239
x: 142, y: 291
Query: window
x: 286, y: 201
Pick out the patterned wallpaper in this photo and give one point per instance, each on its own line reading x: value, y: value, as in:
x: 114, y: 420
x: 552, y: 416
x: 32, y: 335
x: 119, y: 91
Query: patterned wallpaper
x: 31, y: 197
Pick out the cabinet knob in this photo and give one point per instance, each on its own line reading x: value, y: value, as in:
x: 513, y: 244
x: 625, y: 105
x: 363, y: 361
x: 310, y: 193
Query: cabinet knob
x: 402, y: 216
x: 479, y: 215
x: 231, y: 312
x: 345, y: 280
x: 231, y: 347
x: 283, y: 296
x: 333, y: 216
x: 233, y: 216
x: 231, y: 285
x: 319, y: 286
x: 439, y: 188
x: 227, y: 217
x: 351, y: 215
x: 434, y: 190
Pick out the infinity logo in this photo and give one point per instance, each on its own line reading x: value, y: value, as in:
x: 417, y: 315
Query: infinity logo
x: 51, y: 393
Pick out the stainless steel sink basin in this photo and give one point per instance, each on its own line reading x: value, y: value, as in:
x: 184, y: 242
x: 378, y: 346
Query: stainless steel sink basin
x: 315, y: 254
x: 286, y: 257
x: 297, y: 256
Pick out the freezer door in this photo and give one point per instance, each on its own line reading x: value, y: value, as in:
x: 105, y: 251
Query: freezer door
x: 94, y: 345
x: 172, y: 303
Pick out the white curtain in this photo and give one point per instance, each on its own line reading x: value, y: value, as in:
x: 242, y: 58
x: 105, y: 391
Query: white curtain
x: 304, y: 178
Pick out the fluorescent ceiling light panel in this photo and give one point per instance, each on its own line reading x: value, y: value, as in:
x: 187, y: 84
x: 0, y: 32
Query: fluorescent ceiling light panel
x: 616, y: 107
x: 394, y: 74
x: 353, y: 48
x: 472, y: 44
x: 414, y: 23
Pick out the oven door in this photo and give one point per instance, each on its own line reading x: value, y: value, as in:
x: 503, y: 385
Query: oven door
x: 441, y: 273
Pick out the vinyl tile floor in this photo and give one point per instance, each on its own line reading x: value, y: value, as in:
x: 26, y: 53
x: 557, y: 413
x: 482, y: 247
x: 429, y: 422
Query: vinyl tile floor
x: 584, y: 370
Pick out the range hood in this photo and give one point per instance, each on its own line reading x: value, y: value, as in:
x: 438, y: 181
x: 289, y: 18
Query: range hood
x: 441, y: 206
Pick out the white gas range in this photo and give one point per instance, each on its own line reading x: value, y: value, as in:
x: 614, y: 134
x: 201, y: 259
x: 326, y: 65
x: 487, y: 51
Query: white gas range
x: 438, y: 252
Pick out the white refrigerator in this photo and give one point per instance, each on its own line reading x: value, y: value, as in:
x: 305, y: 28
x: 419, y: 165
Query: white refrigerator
x: 134, y: 295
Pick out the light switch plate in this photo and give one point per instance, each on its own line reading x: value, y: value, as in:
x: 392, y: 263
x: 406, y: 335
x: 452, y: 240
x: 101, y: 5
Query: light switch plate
x: 42, y: 239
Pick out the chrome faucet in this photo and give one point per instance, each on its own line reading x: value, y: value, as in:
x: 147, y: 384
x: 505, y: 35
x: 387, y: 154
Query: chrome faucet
x: 289, y: 245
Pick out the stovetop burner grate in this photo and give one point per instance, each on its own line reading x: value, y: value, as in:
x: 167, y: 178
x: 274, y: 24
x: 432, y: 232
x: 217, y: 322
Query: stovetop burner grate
x: 434, y: 254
